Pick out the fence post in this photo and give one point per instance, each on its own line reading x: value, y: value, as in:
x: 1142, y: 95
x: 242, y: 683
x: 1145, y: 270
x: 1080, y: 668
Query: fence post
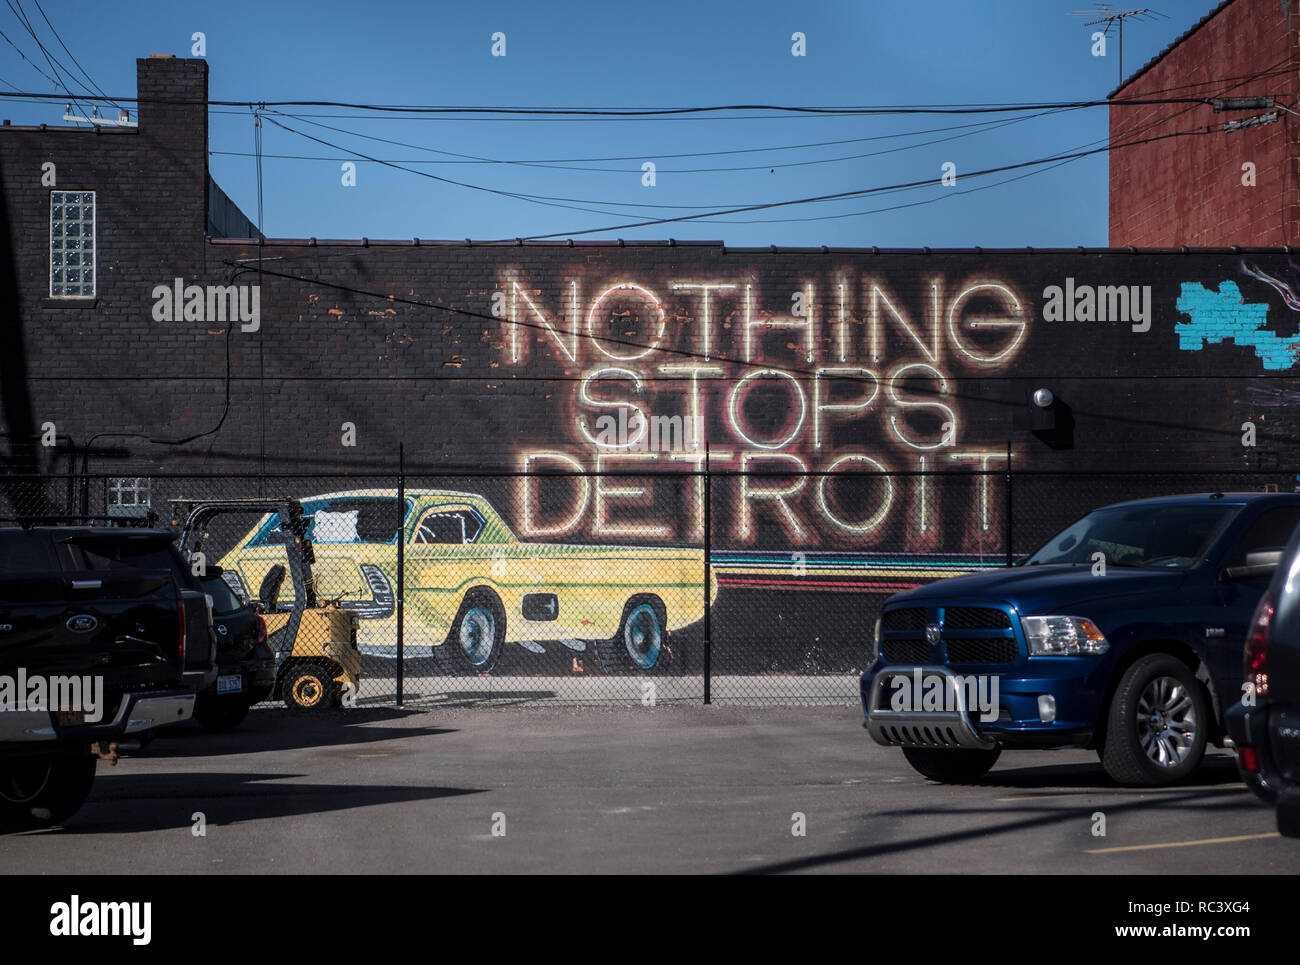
x: 1006, y: 509
x: 401, y: 566
x: 708, y: 578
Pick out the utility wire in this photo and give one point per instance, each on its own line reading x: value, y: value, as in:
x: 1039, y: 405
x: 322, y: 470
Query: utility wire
x: 982, y: 126
x: 568, y: 202
x: 99, y: 90
x: 862, y: 191
x: 549, y: 200
x: 884, y: 110
x: 34, y: 67
x: 50, y: 59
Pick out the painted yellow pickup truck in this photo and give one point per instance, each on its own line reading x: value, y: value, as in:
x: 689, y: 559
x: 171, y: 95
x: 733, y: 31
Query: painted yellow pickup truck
x: 472, y: 586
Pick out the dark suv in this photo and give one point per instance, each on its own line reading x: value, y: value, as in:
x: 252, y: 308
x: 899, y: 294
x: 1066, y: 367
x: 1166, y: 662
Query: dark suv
x: 1265, y: 721
x: 245, y: 664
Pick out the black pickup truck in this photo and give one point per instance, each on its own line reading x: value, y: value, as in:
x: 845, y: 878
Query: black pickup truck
x: 104, y: 637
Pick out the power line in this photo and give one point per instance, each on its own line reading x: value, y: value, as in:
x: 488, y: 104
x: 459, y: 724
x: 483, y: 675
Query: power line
x: 898, y: 207
x: 84, y: 73
x: 1241, y: 79
x: 862, y: 191
x: 885, y: 110
x: 50, y: 59
x: 521, y: 196
x: 980, y: 187
x: 984, y: 127
x: 33, y: 65
x: 556, y: 165
x: 739, y: 209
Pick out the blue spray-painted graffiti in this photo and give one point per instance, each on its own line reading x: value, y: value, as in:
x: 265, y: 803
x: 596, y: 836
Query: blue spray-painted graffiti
x: 1223, y: 315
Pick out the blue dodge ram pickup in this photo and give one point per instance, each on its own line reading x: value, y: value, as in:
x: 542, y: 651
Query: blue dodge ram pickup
x: 1123, y: 634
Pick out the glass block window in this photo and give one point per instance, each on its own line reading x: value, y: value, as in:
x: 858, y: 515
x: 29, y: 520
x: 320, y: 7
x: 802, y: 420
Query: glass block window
x: 72, y: 244
x: 128, y: 492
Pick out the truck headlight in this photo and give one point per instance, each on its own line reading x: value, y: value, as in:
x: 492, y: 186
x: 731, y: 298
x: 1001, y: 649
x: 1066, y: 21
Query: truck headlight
x: 873, y: 648
x: 1063, y: 637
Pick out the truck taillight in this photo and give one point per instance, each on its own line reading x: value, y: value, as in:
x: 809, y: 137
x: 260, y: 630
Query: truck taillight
x: 261, y: 629
x: 1248, y: 759
x: 1256, y: 653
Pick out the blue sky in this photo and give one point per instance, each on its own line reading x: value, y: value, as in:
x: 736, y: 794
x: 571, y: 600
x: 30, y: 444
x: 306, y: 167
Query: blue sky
x: 630, y: 55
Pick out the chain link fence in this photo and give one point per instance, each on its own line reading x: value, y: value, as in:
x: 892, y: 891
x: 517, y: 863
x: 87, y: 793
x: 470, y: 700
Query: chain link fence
x: 694, y: 585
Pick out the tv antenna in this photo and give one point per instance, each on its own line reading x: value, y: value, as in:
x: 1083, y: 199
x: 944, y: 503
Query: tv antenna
x: 1108, y: 15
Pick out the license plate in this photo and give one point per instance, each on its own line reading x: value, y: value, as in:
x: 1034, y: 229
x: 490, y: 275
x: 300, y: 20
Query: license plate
x: 230, y: 684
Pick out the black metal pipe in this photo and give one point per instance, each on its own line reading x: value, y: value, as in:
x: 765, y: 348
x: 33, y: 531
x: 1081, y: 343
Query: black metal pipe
x: 1006, y: 509
x: 708, y: 579
x: 401, y: 565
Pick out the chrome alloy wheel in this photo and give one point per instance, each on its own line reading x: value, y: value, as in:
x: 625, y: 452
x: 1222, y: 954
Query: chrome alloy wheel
x: 1166, y: 721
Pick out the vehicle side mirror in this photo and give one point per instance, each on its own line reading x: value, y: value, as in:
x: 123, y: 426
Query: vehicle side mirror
x: 1259, y: 563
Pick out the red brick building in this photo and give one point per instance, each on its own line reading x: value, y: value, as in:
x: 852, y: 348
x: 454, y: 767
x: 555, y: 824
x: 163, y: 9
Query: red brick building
x: 1196, y: 190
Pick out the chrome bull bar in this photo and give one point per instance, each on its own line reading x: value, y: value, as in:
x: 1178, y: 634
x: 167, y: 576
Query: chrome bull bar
x: 939, y: 729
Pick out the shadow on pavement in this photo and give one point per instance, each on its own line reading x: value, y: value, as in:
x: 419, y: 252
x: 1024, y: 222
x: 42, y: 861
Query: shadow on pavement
x: 152, y: 802
x: 1214, y: 771
x: 481, y: 698
x: 1029, y: 815
x: 274, y: 731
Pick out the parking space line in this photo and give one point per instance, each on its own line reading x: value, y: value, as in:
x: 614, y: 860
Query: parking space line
x: 1185, y: 844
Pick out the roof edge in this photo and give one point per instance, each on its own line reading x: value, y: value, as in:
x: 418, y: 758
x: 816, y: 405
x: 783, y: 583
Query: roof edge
x: 1170, y: 47
x: 737, y: 249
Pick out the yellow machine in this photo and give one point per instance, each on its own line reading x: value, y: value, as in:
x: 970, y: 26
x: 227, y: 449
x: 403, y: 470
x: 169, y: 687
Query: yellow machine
x: 318, y: 665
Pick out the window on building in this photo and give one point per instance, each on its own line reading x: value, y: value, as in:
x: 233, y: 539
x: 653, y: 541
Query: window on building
x: 128, y: 496
x: 72, y: 244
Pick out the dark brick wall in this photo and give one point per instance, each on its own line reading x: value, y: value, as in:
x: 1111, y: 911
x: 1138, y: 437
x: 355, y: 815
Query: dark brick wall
x: 434, y: 368
x: 1188, y: 190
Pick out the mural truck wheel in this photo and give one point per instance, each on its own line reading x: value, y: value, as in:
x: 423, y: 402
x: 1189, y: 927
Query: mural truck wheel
x: 37, y: 792
x: 310, y: 688
x: 477, y: 636
x: 641, y: 644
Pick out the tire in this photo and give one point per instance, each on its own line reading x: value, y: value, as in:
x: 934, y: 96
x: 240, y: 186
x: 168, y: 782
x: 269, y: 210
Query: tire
x: 641, y: 644
x: 216, y: 713
x: 309, y: 688
x: 477, y: 637
x: 959, y: 766
x: 1156, y: 724
x: 39, y: 792
x: 1288, y: 819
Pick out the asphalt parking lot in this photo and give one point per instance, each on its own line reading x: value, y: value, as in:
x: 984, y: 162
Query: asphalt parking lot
x: 641, y: 790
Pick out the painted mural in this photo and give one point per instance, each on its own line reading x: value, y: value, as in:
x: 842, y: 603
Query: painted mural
x: 473, y: 586
x: 858, y: 416
x: 858, y: 425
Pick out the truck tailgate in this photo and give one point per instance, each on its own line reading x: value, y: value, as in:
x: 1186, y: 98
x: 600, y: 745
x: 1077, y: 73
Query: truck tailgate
x: 123, y: 625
